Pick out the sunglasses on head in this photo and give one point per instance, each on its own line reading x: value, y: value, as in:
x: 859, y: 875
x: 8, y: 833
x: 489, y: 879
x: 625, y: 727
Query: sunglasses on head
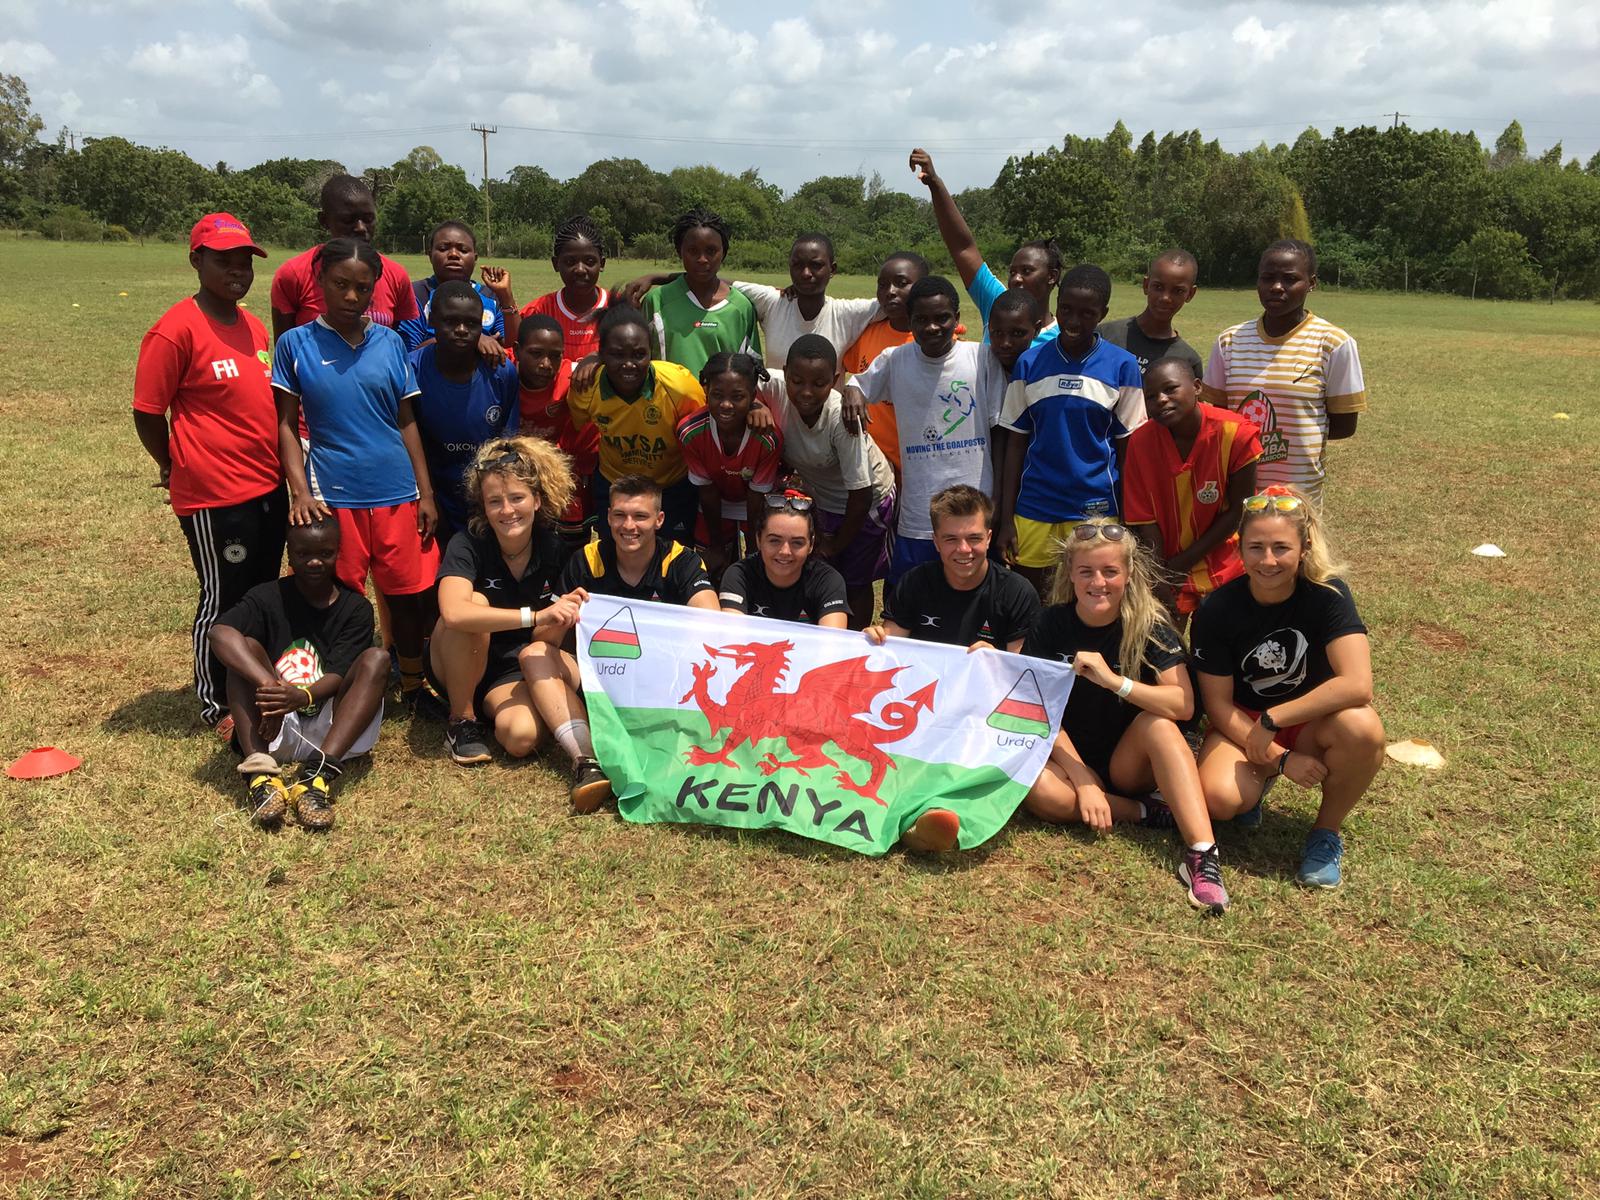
x: 1265, y: 501
x: 509, y: 459
x: 796, y: 501
x: 1111, y: 531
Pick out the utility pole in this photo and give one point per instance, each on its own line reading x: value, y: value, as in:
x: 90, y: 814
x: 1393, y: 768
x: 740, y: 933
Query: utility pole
x: 1398, y: 117
x: 488, y: 220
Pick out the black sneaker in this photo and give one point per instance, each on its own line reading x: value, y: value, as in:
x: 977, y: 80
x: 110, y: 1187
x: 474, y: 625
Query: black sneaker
x: 467, y: 743
x: 1156, y: 813
x: 590, y: 787
x: 424, y: 702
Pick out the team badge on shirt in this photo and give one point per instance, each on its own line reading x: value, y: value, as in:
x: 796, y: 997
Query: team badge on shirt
x: 1277, y: 666
x: 1257, y: 409
x: 1208, y: 494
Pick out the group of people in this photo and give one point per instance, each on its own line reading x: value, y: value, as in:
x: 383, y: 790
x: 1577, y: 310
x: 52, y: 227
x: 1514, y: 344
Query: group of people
x: 1068, y: 487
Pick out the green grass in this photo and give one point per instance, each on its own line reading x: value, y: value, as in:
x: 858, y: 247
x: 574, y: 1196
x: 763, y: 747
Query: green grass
x: 466, y: 991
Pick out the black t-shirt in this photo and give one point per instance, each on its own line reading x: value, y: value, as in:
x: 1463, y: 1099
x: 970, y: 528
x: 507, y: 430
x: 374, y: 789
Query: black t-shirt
x: 998, y: 611
x: 278, y: 616
x: 479, y: 559
x: 819, y: 591
x: 1274, y: 652
x: 675, y: 574
x: 1125, y: 332
x: 1096, y: 717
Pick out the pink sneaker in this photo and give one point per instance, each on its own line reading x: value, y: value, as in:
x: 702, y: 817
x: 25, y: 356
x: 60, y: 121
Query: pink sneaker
x: 1201, y: 872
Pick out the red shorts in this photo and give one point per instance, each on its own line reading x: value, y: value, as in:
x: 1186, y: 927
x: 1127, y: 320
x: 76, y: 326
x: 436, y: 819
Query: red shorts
x: 385, y: 541
x: 1287, y: 735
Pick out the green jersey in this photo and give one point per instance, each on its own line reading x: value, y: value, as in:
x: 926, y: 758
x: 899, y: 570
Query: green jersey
x: 684, y: 331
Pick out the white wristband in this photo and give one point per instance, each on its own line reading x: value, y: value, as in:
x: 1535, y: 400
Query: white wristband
x: 527, y: 617
x: 1126, y: 688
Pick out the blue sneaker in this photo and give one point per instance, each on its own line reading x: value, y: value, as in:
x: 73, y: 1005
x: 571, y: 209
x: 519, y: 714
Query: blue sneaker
x: 1319, y: 862
x: 1251, y: 818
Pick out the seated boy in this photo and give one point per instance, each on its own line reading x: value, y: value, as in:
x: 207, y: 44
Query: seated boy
x: 635, y: 563
x: 1150, y: 335
x: 1071, y: 403
x: 1188, y: 472
x: 305, y: 682
x: 946, y: 396
x: 964, y: 599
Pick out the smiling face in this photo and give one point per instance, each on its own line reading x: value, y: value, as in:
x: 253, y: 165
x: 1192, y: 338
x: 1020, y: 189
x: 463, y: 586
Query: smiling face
x: 346, y: 291
x: 701, y: 254
x: 1078, y: 311
x: 633, y: 521
x: 579, y: 264
x: 625, y: 354
x: 728, y: 398
x: 509, y: 505
x: 1099, y: 579
x: 539, y: 359
x: 962, y: 544
x: 809, y: 380
x: 894, y: 285
x: 1168, y: 287
x: 457, y: 322
x: 1271, y: 548
x: 810, y: 268
x: 1283, y: 282
x: 453, y: 254
x: 1170, y: 394
x: 224, y: 274
x: 933, y: 325
x: 785, y: 545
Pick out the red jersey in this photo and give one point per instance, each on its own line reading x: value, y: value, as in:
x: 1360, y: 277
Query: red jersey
x: 544, y: 413
x: 753, y: 467
x: 580, y: 331
x: 295, y: 291
x: 216, y: 380
x: 1181, y: 497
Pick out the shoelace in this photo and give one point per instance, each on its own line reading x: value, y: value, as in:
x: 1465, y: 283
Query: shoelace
x: 1323, y: 850
x: 1210, y: 867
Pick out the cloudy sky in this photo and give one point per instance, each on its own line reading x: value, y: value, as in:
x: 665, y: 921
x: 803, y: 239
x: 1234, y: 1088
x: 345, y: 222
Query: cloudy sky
x: 825, y: 88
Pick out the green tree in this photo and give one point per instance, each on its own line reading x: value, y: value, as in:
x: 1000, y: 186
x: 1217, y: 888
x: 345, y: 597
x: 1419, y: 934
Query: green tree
x: 276, y: 212
x: 636, y: 199
x: 305, y: 175
x: 1057, y: 195
x: 143, y: 190
x: 1494, y: 263
x: 1510, y: 148
x: 19, y: 124
x: 749, y: 205
x: 529, y: 196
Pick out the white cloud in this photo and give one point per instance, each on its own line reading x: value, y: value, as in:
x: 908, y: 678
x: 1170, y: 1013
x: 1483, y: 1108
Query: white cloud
x: 1266, y: 43
x: 25, y: 58
x: 207, y: 70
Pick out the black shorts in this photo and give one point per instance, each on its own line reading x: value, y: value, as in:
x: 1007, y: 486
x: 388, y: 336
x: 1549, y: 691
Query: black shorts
x: 501, y: 669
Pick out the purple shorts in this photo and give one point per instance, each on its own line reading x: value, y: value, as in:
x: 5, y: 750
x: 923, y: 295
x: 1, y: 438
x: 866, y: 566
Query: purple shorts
x: 866, y: 558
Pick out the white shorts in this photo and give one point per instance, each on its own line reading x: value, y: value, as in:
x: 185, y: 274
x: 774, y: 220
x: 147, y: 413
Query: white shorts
x: 301, y: 737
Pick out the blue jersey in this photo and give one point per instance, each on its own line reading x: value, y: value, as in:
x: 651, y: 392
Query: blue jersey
x: 1071, y: 410
x: 456, y: 418
x: 350, y: 397
x: 985, y: 289
x: 421, y: 330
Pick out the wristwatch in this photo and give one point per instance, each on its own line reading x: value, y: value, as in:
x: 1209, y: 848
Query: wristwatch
x: 1268, y: 723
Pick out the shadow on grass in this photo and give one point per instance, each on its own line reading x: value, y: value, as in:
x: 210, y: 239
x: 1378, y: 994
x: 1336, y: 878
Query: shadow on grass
x: 169, y: 711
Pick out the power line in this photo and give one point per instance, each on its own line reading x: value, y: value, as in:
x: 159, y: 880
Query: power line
x: 488, y: 220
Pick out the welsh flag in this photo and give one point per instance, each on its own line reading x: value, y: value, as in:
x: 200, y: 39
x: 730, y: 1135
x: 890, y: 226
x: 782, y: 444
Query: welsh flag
x: 757, y: 724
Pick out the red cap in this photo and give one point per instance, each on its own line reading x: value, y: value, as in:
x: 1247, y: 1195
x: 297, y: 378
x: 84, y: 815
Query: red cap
x: 43, y: 763
x: 222, y: 231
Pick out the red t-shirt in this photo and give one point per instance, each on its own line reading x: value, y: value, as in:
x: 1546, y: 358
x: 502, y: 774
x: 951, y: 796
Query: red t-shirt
x: 544, y: 413
x: 753, y: 467
x: 216, y: 380
x: 295, y: 291
x: 1181, y: 497
x: 581, y: 331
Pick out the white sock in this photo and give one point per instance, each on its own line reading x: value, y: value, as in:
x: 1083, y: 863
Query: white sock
x: 1144, y: 809
x: 573, y: 737
x: 1201, y: 847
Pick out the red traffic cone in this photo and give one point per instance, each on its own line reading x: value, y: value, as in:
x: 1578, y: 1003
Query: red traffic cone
x: 43, y: 763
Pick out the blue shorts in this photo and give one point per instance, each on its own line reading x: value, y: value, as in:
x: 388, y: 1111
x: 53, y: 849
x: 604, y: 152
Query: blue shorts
x: 908, y: 553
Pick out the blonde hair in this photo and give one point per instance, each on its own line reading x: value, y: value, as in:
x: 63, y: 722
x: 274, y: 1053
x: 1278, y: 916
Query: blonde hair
x: 1317, y: 563
x: 546, y: 471
x: 1141, y: 613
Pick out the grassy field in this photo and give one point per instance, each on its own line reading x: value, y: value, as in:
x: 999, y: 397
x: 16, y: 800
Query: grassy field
x: 466, y: 991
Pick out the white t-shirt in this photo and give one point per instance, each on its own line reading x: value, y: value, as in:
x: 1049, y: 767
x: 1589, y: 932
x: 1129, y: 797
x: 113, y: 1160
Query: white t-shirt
x: 832, y: 461
x: 840, y: 321
x: 945, y: 408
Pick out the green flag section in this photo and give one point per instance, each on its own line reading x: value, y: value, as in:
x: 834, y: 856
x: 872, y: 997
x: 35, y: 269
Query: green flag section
x: 759, y: 724
x: 1023, y: 710
x: 617, y: 638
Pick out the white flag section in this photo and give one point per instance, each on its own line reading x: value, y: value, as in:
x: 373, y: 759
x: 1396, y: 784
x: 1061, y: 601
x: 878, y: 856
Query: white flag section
x: 754, y: 723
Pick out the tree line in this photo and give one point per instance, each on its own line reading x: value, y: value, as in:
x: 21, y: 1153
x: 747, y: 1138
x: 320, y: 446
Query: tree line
x: 1386, y: 208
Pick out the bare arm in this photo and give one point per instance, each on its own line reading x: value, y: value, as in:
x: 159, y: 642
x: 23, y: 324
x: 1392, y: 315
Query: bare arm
x: 953, y: 226
x: 1005, y: 522
x: 1341, y: 426
x: 303, y: 507
x: 154, y: 436
x: 427, y: 511
x: 833, y: 620
x: 1241, y: 486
